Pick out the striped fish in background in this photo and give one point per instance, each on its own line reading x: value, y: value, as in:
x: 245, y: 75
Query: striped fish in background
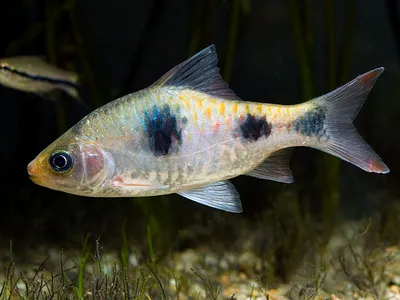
x: 33, y: 74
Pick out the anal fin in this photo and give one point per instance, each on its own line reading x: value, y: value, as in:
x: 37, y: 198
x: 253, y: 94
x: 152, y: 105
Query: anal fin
x: 275, y: 167
x: 221, y: 195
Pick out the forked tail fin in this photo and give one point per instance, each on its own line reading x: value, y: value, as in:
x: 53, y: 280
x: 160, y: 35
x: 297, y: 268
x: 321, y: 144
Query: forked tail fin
x: 73, y: 88
x: 340, y: 107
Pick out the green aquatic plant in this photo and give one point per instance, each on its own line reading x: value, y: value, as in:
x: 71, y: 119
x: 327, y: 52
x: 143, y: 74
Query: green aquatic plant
x: 213, y: 293
x: 356, y: 260
x: 159, y: 223
x: 328, y: 168
x: 124, y: 253
x: 292, y: 234
x: 88, y: 77
x: 52, y: 56
x: 150, y: 243
x: 232, y: 36
x: 82, y: 262
x: 301, y: 51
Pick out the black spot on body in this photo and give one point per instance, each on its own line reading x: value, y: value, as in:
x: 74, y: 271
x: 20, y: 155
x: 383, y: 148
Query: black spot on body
x: 253, y: 128
x: 312, y: 123
x: 161, y: 128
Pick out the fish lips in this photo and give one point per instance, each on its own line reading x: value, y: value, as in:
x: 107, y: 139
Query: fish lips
x: 34, y: 173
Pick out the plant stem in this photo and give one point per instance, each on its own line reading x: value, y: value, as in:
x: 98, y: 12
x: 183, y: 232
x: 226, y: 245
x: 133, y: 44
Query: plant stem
x: 51, y: 50
x: 330, y: 33
x: 87, y: 70
x: 305, y: 69
x: 349, y: 26
x: 233, y: 28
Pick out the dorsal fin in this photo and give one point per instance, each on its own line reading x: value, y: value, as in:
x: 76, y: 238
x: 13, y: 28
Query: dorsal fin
x: 200, y: 73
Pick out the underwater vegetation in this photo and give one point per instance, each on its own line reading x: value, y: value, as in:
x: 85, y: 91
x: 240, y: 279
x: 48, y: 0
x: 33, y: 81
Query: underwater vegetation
x: 346, y: 268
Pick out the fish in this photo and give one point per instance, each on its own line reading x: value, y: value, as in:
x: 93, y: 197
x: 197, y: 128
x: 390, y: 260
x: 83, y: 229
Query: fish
x: 188, y: 133
x: 33, y: 74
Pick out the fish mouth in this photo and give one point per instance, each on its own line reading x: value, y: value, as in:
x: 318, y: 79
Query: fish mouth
x: 32, y: 169
x: 34, y: 173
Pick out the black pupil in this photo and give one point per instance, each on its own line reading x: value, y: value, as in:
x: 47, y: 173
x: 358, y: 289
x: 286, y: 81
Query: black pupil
x: 61, y: 161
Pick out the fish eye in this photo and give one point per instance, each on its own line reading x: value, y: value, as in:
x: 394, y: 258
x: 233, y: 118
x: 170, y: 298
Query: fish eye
x: 60, y: 161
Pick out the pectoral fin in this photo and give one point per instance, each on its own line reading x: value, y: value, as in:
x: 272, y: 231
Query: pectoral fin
x: 221, y: 195
x: 275, y: 167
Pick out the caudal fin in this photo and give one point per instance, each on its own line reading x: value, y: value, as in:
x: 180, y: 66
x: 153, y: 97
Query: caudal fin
x: 341, y: 106
x: 73, y: 88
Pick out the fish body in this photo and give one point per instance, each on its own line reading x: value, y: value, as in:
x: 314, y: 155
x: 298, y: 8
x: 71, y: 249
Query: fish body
x: 188, y: 133
x: 185, y: 138
x: 33, y: 74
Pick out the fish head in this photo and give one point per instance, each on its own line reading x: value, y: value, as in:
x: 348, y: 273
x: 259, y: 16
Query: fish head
x: 72, y: 165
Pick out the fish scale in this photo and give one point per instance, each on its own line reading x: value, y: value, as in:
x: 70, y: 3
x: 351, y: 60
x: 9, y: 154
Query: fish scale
x: 189, y: 133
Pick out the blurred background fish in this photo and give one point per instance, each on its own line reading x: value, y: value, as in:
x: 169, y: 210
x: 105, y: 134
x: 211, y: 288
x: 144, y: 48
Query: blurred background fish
x: 33, y: 74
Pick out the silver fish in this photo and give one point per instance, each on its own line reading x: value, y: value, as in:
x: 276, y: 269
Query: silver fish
x: 188, y: 133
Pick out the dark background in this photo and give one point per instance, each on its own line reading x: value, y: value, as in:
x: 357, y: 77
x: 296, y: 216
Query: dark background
x: 270, y: 50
